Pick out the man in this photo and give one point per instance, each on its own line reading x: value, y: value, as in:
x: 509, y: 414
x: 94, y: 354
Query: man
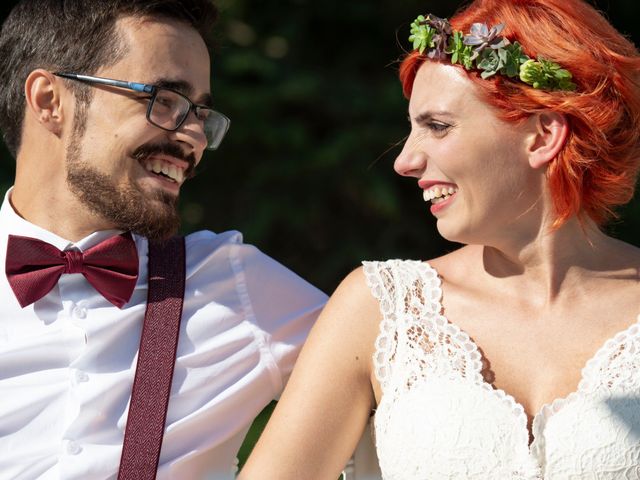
x: 97, y: 157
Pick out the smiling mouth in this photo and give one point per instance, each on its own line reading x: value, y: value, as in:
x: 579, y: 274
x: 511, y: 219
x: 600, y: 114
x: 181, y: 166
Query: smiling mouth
x: 437, y: 195
x: 165, y: 170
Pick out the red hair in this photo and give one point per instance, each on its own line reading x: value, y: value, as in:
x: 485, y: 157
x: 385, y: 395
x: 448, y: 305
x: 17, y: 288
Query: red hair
x: 597, y: 168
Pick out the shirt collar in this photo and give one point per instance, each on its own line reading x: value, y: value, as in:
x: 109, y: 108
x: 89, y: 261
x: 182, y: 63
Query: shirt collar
x: 14, y: 224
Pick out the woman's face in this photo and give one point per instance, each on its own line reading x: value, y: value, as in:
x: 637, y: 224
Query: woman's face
x: 472, y: 166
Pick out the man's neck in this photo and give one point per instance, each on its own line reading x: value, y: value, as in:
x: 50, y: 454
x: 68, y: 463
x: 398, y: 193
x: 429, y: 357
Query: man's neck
x: 56, y: 211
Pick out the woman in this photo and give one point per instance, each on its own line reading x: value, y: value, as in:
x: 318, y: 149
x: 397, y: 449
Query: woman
x: 518, y: 355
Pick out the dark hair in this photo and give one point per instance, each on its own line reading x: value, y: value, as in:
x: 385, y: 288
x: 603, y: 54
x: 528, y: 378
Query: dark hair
x: 74, y: 35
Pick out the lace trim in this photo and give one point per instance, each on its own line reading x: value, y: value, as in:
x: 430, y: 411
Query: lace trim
x: 409, y: 293
x: 380, y: 282
x: 616, y: 364
x: 405, y: 291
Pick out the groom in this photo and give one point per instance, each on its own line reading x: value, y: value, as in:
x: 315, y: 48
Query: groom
x: 107, y: 108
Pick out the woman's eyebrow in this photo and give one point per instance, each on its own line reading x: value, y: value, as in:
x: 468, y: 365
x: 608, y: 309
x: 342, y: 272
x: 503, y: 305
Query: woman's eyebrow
x: 428, y: 115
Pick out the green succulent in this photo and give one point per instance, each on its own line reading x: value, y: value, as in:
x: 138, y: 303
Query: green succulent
x: 515, y: 58
x: 544, y: 74
x: 491, y: 62
x: 421, y: 34
x: 460, y: 53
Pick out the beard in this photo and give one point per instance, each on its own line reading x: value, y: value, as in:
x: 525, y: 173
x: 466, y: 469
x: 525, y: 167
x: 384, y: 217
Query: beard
x: 151, y: 214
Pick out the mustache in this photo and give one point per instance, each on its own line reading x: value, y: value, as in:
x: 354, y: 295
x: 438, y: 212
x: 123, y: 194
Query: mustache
x: 170, y: 149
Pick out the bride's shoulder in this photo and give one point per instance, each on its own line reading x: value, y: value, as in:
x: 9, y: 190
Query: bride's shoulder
x: 373, y: 282
x: 353, y: 295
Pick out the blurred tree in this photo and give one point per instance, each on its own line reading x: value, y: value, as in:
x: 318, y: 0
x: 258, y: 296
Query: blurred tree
x: 313, y: 85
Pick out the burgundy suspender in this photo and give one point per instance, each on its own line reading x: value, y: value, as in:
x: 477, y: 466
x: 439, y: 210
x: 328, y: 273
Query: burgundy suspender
x: 156, y: 359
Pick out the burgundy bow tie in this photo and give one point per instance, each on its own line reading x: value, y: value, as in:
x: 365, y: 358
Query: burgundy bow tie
x: 33, y: 267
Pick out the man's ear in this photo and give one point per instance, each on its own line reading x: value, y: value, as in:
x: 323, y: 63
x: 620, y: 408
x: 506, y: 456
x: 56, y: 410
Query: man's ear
x: 42, y: 91
x: 549, y: 134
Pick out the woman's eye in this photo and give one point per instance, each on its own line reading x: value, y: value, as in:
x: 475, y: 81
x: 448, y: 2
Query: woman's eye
x: 438, y: 127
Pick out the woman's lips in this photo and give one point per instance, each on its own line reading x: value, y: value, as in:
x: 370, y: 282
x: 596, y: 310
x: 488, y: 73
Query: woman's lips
x: 441, y: 203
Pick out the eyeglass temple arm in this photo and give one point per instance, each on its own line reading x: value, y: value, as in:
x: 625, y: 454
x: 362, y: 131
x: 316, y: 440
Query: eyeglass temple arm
x: 138, y: 87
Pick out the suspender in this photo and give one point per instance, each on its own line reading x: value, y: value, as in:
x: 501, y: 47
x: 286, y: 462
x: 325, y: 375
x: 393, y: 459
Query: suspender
x: 156, y: 359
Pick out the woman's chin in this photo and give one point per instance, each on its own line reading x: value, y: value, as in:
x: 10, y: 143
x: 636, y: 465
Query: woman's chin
x: 452, y: 233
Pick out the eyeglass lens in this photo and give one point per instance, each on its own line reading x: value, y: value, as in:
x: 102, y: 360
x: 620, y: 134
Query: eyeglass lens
x: 169, y: 110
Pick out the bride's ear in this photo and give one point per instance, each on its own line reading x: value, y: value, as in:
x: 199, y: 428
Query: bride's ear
x: 549, y: 131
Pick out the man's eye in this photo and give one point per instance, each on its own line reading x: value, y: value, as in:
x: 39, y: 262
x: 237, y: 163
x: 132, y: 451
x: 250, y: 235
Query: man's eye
x: 166, y: 102
x: 203, y: 113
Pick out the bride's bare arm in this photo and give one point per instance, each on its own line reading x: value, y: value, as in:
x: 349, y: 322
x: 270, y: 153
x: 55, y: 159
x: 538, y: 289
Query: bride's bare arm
x: 324, y: 409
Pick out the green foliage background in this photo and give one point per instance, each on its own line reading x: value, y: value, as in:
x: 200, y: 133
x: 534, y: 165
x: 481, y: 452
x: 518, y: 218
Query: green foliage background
x: 317, y: 114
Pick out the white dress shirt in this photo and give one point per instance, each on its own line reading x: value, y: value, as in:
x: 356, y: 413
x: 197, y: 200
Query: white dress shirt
x: 67, y: 362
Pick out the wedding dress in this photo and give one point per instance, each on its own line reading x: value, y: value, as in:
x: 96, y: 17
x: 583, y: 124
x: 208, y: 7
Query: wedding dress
x: 439, y: 419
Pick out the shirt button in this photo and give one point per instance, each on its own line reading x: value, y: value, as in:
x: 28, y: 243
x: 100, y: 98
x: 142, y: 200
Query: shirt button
x: 72, y: 448
x: 81, y: 376
x: 79, y: 312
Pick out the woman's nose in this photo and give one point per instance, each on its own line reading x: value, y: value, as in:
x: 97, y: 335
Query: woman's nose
x: 411, y: 162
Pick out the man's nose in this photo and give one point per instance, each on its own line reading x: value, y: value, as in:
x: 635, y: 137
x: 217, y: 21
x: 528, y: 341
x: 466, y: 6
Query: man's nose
x: 192, y: 132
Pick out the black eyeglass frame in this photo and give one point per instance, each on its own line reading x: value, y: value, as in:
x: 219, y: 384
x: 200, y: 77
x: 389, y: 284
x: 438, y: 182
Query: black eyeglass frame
x: 153, y: 90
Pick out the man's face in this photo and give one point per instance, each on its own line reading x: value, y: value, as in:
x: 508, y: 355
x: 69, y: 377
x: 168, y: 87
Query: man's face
x: 111, y: 158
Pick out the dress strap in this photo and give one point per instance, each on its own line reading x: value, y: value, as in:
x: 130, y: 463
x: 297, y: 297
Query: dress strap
x: 416, y: 341
x: 406, y: 290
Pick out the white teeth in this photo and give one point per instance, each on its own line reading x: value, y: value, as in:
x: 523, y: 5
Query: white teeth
x: 435, y: 201
x: 438, y: 194
x: 176, y: 174
x: 170, y: 170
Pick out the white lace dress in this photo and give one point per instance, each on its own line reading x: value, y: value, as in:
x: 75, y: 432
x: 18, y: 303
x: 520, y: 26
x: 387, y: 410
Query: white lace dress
x: 439, y: 419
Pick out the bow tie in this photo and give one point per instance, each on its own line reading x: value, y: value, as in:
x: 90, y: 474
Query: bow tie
x: 33, y: 267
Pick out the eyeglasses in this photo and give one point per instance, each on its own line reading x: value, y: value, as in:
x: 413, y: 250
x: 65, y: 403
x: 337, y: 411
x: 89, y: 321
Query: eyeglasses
x: 168, y: 109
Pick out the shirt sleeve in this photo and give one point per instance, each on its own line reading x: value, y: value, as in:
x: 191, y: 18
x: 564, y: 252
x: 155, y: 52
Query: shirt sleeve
x: 282, y: 305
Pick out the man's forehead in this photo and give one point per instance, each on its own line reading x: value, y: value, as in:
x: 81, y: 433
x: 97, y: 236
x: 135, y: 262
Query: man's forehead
x: 166, y: 52
x: 132, y: 24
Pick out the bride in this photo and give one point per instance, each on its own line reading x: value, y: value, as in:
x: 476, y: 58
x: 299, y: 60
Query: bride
x: 518, y: 355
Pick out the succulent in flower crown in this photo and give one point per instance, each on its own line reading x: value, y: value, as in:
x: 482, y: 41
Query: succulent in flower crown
x: 433, y: 33
x: 486, y: 50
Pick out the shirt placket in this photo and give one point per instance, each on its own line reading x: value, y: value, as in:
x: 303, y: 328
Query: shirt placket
x: 73, y: 287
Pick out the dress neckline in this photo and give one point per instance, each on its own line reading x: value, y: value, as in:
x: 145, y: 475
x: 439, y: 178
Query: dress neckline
x: 547, y: 410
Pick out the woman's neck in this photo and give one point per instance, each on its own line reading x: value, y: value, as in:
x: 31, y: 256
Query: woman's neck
x: 550, y: 263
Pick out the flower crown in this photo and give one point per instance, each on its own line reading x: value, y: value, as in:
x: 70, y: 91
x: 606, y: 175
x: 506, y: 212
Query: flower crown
x: 485, y: 50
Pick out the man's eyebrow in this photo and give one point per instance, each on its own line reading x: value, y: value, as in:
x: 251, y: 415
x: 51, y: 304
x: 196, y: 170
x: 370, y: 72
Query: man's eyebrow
x: 186, y: 89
